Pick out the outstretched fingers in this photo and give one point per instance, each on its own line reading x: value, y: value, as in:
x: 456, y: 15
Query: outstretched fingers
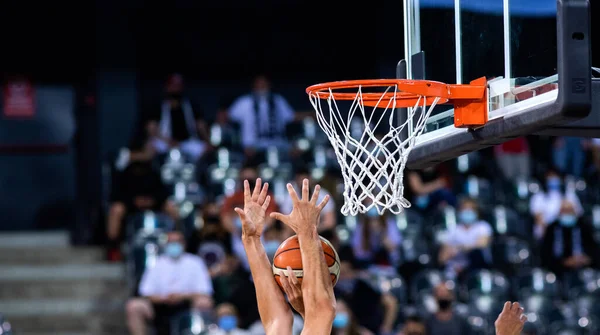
x: 263, y: 193
x: 265, y: 205
x: 293, y: 194
x: 305, y: 189
x: 241, y: 213
x: 323, y: 203
x: 247, y: 194
x: 315, y: 195
x: 256, y: 192
x: 279, y: 217
x: 506, y: 307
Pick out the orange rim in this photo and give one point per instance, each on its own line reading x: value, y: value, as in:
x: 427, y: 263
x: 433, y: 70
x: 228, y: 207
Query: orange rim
x: 408, y: 92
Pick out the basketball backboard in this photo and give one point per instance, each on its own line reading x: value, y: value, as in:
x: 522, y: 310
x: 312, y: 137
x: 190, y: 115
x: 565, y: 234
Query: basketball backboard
x: 536, y: 55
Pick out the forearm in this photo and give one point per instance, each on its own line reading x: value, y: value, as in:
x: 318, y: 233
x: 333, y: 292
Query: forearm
x: 156, y: 299
x: 271, y: 303
x: 430, y: 187
x: 391, y: 310
x: 317, y: 289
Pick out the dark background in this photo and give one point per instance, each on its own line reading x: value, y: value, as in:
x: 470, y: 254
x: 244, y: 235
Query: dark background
x: 113, y: 56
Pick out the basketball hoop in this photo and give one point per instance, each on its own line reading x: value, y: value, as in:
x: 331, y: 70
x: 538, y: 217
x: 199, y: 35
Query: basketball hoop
x: 373, y: 163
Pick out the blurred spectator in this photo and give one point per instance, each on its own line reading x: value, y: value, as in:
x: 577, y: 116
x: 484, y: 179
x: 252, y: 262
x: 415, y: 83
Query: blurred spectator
x: 429, y: 189
x: 445, y: 321
x: 231, y: 221
x: 328, y: 215
x: 177, y: 124
x: 467, y: 246
x: 374, y: 310
x: 545, y: 205
x: 272, y: 239
x: 345, y: 323
x: 227, y: 321
x: 136, y: 189
x: 514, y: 159
x: 569, y: 242
x: 413, y: 325
x: 263, y: 117
x: 596, y: 153
x: 376, y: 240
x: 178, y: 281
x: 568, y: 155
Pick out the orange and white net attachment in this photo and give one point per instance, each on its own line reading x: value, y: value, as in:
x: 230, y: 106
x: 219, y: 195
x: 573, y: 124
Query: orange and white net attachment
x: 393, y: 113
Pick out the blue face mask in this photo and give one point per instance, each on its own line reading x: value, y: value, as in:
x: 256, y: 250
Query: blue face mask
x: 553, y: 183
x: 422, y: 201
x: 567, y: 220
x: 228, y: 322
x: 341, y: 320
x: 372, y: 213
x: 174, y: 249
x: 271, y: 247
x: 467, y: 216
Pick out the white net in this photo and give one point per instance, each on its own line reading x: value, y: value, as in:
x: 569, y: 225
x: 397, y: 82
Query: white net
x: 372, y: 162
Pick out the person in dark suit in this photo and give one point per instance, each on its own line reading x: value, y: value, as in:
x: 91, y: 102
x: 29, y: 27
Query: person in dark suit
x: 569, y: 243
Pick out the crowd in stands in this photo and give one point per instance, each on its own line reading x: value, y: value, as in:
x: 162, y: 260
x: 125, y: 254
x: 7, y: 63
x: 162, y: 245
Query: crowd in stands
x: 520, y: 221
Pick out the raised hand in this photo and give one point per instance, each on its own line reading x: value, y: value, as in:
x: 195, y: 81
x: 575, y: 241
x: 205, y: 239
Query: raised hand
x: 511, y: 320
x: 253, y: 216
x: 293, y: 289
x: 305, y: 213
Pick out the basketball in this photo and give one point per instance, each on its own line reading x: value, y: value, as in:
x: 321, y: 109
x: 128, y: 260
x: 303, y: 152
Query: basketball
x: 288, y: 254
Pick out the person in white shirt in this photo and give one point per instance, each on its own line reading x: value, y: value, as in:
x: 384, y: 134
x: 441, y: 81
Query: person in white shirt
x: 328, y: 216
x: 177, y: 279
x: 467, y: 246
x: 263, y: 117
x: 544, y: 206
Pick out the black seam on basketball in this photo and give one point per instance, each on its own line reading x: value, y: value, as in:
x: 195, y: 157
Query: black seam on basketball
x: 291, y: 249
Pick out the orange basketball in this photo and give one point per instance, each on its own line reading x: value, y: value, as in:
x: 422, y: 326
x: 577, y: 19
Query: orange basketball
x: 288, y: 254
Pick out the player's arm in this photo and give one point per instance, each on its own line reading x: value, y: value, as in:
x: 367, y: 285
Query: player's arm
x: 274, y: 311
x: 317, y: 289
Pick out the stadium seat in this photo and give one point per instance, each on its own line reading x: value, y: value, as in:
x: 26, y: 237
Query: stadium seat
x: 480, y: 189
x: 486, y: 306
x: 542, y: 309
x: 507, y: 221
x: 584, y: 281
x: 569, y: 329
x: 511, y: 254
x: 588, y: 305
x: 416, y: 250
x: 537, y: 282
x: 5, y: 326
x: 424, y: 282
x: 388, y: 281
x: 148, y: 222
x: 189, y: 323
x: 468, y: 162
x: 479, y: 325
x: 142, y: 254
x: 581, y: 189
x: 485, y: 282
x: 226, y: 137
x: 410, y: 223
x: 595, y: 217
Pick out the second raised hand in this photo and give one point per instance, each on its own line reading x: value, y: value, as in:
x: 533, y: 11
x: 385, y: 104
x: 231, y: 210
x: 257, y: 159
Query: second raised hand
x: 305, y: 213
